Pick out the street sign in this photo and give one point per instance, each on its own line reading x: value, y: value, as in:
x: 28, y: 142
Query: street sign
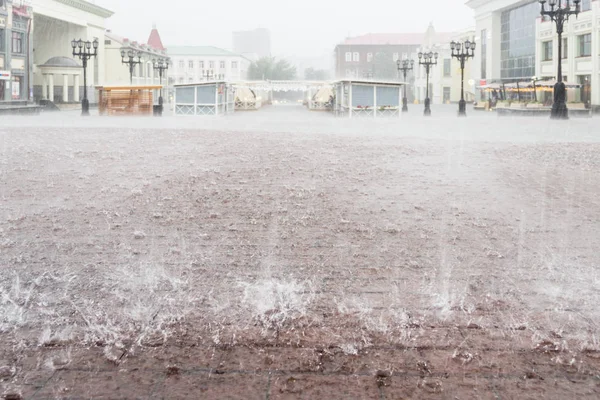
x: 4, y: 75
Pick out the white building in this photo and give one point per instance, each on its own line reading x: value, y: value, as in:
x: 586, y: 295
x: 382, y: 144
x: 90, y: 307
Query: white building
x: 440, y: 75
x: 580, y: 52
x: 118, y: 73
x: 198, y: 63
x: 55, y: 24
x: 514, y: 44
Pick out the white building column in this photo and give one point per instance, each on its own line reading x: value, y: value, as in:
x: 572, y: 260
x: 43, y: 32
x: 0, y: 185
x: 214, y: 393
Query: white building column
x: 76, y: 88
x: 65, y: 93
x: 51, y: 87
x: 44, y: 87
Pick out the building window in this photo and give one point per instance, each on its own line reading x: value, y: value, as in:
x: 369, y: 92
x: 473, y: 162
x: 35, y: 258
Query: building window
x: 17, y: 42
x: 586, y: 5
x: 483, y: 53
x: 222, y: 64
x: 547, y: 51
x: 565, y: 48
x: 191, y: 64
x: 348, y: 56
x: 348, y: 73
x: 356, y: 57
x: 211, y: 65
x: 447, y: 68
x: 369, y: 57
x: 234, y: 65
x: 446, y: 94
x: 180, y: 80
x: 585, y: 45
x: 517, y: 41
x: 190, y: 80
x: 148, y: 70
x: 2, y: 33
x: 396, y: 57
x: 584, y: 81
x: 201, y: 64
x: 181, y: 64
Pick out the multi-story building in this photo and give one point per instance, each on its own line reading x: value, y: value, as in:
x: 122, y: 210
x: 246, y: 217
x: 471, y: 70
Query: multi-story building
x: 252, y: 44
x: 56, y: 75
x: 516, y: 44
x: 445, y: 77
x: 198, y: 63
x: 580, y: 52
x: 15, y: 51
x: 374, y: 55
x: 118, y: 73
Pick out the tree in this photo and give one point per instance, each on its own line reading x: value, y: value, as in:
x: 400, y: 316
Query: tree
x: 269, y: 68
x: 311, y: 74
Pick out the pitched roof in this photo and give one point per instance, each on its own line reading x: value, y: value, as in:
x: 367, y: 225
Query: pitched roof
x: 415, y: 39
x: 386, y: 38
x: 154, y: 40
x: 200, y: 51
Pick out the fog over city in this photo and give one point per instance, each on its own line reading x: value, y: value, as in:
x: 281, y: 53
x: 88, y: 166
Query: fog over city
x: 306, y: 28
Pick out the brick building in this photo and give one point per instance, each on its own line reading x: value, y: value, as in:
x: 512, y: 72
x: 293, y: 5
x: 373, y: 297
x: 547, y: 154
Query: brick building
x: 374, y: 55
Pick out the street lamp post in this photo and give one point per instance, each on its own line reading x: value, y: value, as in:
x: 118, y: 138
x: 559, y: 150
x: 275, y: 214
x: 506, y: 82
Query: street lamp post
x: 133, y: 58
x: 405, y: 66
x: 559, y: 12
x: 83, y: 50
x: 427, y: 60
x: 160, y: 65
x: 462, y: 52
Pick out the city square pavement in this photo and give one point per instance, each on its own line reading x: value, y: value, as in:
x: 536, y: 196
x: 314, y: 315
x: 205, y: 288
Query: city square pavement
x: 284, y: 254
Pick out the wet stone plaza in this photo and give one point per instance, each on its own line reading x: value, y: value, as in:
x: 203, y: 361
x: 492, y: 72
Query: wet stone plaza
x: 283, y: 254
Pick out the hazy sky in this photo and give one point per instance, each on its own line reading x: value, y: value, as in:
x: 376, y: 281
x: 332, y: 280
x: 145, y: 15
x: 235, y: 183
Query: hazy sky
x: 308, y: 28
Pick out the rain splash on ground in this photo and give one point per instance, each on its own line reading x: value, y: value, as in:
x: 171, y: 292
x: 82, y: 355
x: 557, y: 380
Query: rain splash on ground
x: 290, y: 254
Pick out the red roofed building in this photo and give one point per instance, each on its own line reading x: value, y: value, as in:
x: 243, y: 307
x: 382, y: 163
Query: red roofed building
x: 154, y: 40
x: 374, y: 55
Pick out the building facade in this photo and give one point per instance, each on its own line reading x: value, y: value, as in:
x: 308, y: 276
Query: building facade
x: 252, y: 44
x: 580, y: 52
x: 515, y: 44
x: 445, y: 76
x: 118, y: 73
x: 374, y: 55
x: 15, y: 51
x: 192, y: 64
x: 55, y: 24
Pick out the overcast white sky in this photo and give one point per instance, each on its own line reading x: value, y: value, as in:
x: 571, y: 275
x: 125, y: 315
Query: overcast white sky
x: 308, y: 28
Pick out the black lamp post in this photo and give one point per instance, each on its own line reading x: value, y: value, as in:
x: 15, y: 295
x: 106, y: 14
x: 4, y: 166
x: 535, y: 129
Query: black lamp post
x: 559, y: 12
x: 405, y: 66
x: 162, y: 64
x: 133, y: 58
x: 462, y: 52
x: 428, y: 60
x: 83, y: 50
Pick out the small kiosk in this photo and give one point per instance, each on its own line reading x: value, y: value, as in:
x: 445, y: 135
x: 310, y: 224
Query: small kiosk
x: 367, y: 98
x: 126, y: 100
x: 204, y: 98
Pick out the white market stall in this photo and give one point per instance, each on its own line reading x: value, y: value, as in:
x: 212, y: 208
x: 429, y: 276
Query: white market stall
x: 204, y: 98
x: 367, y: 98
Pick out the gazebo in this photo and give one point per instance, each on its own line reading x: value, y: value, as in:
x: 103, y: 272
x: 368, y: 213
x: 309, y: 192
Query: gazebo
x: 65, y: 66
